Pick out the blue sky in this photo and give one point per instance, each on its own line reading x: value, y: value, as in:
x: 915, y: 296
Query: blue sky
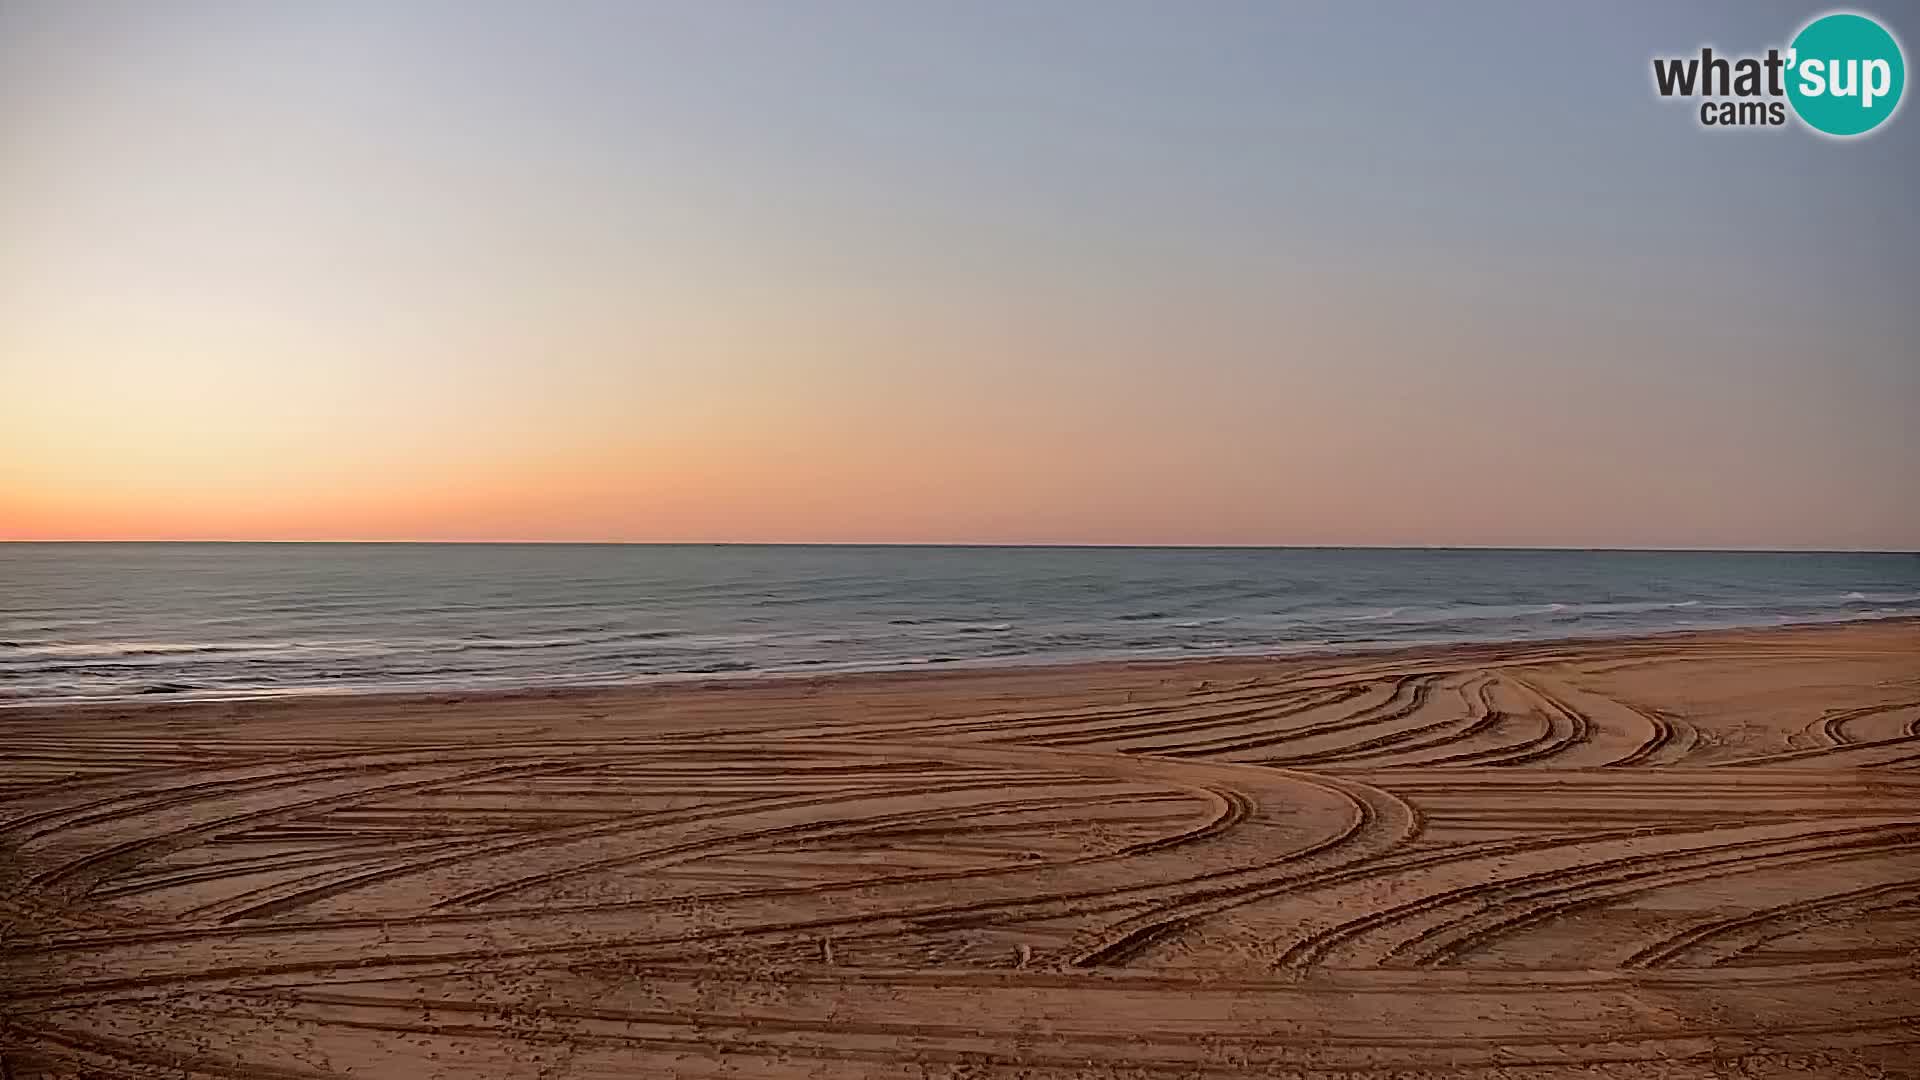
x: 866, y: 271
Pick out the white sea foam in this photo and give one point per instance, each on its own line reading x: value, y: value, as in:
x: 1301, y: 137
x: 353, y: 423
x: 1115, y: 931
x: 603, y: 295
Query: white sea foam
x: 109, y: 621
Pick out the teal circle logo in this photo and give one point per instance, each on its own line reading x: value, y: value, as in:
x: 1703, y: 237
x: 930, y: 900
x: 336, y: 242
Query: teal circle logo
x: 1845, y: 74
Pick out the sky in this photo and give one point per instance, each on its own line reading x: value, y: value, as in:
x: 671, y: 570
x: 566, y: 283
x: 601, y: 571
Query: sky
x: 1078, y: 271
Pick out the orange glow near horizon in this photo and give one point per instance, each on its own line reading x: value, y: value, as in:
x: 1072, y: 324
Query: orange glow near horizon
x: 962, y: 445
x: 359, y: 271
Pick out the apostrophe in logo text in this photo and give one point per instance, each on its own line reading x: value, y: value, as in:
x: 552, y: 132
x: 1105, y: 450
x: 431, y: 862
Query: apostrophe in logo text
x: 1842, y: 75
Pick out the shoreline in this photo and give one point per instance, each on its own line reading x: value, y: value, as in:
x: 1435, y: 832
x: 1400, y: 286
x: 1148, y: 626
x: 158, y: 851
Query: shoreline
x: 1505, y: 650
x: 1401, y: 863
x: 164, y: 624
x: 1375, y: 863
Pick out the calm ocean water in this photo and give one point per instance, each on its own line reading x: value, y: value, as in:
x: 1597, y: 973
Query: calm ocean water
x: 93, y: 620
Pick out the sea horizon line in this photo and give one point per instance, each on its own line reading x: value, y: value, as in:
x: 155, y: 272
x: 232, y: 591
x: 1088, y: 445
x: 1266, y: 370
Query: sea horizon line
x: 967, y: 544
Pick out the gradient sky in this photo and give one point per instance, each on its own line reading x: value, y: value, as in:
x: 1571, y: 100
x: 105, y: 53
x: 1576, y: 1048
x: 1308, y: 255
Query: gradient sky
x: 989, y: 272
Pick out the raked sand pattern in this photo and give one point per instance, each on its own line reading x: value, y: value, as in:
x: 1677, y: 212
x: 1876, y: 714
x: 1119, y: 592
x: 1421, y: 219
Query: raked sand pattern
x: 1677, y: 857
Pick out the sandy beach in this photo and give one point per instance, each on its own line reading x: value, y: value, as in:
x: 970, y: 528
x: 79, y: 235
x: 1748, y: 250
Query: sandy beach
x: 1683, y: 856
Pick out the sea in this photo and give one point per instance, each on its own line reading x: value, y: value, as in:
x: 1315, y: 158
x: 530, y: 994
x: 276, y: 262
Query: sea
x: 111, y: 620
